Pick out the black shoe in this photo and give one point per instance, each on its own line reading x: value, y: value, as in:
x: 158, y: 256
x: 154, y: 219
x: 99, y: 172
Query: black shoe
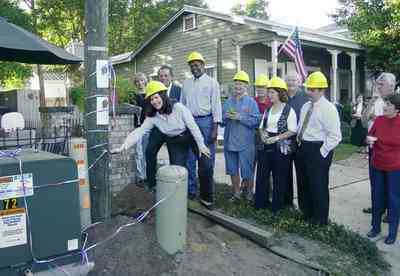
x: 367, y: 210
x: 207, y: 204
x: 390, y: 240
x: 151, y: 190
x: 192, y: 196
x: 141, y: 183
x: 372, y: 234
x: 385, y: 219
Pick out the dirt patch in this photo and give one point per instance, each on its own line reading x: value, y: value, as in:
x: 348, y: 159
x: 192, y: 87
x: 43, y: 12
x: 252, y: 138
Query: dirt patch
x: 211, y: 249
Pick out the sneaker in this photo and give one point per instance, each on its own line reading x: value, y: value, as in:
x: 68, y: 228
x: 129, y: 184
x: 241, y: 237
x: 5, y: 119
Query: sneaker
x: 373, y: 233
x: 249, y: 196
x: 235, y: 197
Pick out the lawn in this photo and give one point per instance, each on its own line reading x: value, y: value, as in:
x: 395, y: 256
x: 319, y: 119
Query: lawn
x: 344, y: 151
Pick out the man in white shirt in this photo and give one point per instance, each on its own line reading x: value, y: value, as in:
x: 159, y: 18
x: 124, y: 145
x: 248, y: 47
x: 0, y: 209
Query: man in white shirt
x: 319, y: 133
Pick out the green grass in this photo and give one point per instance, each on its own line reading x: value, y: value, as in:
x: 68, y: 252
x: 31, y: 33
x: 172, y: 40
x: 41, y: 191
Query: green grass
x: 365, y: 254
x: 344, y: 151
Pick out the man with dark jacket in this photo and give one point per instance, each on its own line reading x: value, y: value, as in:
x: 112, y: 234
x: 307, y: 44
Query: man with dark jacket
x: 297, y: 98
x: 165, y: 75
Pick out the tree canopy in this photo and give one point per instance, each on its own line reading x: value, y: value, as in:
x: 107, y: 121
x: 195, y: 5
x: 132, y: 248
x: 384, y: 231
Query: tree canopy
x: 376, y: 25
x: 13, y: 74
x: 61, y: 21
x: 252, y: 8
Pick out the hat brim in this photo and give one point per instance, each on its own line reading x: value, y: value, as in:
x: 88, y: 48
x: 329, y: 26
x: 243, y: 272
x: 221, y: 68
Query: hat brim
x: 153, y: 93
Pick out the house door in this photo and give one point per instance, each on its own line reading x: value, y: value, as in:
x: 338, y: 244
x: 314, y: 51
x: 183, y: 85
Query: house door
x: 260, y: 67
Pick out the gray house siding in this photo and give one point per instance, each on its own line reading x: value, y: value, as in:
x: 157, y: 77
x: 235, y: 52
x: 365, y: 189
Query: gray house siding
x: 172, y: 46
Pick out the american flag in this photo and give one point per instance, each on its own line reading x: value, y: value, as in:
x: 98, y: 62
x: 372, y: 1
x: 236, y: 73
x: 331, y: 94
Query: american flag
x: 292, y: 47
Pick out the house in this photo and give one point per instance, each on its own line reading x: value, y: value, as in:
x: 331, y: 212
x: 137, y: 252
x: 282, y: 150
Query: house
x: 230, y: 43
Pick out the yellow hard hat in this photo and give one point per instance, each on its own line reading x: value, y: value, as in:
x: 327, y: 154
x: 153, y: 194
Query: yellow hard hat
x: 261, y: 80
x: 195, y: 56
x: 241, y: 76
x: 316, y: 80
x: 277, y: 82
x: 154, y: 87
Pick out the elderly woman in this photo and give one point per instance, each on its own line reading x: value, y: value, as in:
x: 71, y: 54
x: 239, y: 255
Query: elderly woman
x: 174, y: 124
x: 384, y: 137
x: 277, y: 128
x: 261, y: 98
x: 240, y: 117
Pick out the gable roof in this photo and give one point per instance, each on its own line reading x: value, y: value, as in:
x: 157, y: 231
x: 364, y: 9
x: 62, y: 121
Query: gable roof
x: 282, y: 30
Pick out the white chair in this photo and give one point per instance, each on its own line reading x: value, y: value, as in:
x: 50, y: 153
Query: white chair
x: 12, y: 121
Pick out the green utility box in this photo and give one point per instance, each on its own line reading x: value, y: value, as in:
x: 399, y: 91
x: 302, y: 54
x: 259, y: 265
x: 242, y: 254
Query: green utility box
x: 53, y: 208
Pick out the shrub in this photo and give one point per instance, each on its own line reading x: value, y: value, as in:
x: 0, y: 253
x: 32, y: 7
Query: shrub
x: 77, y: 97
x: 125, y: 90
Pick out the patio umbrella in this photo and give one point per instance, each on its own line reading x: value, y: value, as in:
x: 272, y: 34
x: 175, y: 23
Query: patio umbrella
x: 17, y: 44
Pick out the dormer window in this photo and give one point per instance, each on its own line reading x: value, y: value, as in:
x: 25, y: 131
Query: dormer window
x: 189, y: 22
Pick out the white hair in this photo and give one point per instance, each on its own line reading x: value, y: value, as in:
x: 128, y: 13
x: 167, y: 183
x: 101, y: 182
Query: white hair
x: 389, y: 77
x: 293, y: 74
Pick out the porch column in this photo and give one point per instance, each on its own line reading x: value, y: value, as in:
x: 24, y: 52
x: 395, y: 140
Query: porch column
x: 274, y: 57
x: 238, y: 57
x: 353, y: 57
x: 334, y: 54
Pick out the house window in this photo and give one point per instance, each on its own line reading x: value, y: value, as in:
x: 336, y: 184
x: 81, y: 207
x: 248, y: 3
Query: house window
x: 189, y: 22
x: 211, y: 70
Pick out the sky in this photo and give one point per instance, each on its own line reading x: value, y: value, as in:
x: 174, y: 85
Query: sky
x: 304, y: 13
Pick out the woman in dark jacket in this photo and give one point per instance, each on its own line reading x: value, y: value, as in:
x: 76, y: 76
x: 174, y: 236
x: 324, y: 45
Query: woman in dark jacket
x: 278, y: 127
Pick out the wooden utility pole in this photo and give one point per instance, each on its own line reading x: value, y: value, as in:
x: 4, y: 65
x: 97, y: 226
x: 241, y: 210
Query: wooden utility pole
x: 96, y: 48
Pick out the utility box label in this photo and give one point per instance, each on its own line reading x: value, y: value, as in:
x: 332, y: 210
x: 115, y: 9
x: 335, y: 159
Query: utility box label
x: 11, y: 186
x: 13, y: 228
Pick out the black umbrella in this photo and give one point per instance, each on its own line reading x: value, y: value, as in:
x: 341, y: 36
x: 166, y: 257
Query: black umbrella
x: 17, y: 44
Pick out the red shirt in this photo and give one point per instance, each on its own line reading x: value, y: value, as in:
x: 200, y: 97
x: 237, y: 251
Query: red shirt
x: 263, y: 105
x: 386, y: 151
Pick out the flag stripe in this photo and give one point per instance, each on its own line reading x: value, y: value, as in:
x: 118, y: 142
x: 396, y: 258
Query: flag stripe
x: 292, y: 48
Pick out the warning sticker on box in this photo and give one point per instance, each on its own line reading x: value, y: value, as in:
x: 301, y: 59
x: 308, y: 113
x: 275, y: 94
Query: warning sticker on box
x: 11, y: 186
x: 13, y: 228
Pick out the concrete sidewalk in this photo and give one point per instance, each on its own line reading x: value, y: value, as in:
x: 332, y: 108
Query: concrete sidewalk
x: 350, y: 193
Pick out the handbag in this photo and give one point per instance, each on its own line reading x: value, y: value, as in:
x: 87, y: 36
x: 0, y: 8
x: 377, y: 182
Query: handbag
x: 261, y: 135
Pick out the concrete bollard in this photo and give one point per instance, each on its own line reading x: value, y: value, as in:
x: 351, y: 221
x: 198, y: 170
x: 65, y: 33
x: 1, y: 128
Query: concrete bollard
x: 78, y: 151
x: 171, y: 214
